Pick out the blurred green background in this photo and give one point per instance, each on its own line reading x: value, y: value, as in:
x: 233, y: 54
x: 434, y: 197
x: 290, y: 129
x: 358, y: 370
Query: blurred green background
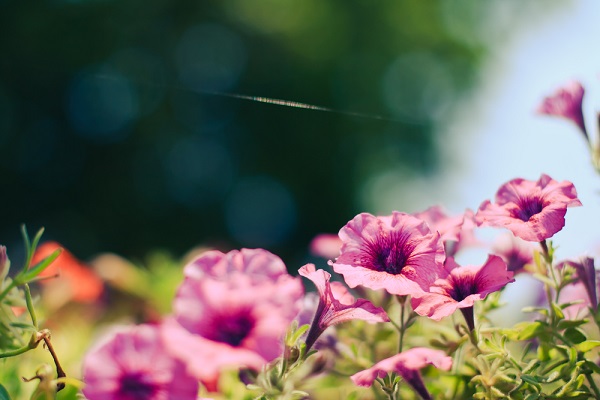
x: 111, y: 139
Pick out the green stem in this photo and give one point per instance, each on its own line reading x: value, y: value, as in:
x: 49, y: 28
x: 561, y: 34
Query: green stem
x: 550, y: 274
x: 402, y: 328
x: 33, y: 343
x: 593, y: 385
x: 10, y: 286
x: 16, y: 352
x: 473, y: 338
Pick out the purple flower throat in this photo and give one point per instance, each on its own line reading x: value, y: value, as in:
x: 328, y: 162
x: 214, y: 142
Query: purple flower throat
x: 462, y: 287
x: 232, y: 329
x: 135, y: 387
x: 528, y: 207
x: 388, y: 253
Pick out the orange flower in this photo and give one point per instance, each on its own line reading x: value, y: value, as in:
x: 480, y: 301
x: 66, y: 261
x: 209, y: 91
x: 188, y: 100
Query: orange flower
x: 80, y: 283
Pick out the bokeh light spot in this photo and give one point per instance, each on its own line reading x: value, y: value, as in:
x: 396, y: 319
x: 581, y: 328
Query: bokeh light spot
x: 101, y: 104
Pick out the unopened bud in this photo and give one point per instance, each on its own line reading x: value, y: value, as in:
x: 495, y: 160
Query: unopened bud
x: 4, y: 263
x: 320, y: 363
x: 293, y: 354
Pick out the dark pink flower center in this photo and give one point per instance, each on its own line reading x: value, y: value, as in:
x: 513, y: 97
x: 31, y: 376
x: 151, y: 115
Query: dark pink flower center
x: 232, y: 329
x: 515, y: 260
x: 134, y: 386
x: 388, y: 252
x: 528, y: 207
x: 462, y: 287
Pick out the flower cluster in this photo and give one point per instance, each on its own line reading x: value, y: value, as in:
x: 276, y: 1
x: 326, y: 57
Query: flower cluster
x: 239, y: 312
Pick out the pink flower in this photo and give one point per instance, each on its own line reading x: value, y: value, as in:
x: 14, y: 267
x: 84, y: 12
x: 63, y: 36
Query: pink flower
x: 566, y: 102
x: 257, y: 264
x: 407, y: 364
x: 336, y: 305
x: 326, y: 245
x: 575, y: 292
x: 132, y: 365
x: 397, y: 253
x: 533, y: 211
x: 456, y: 232
x: 462, y: 287
x: 239, y: 304
x: 587, y: 279
x: 516, y: 252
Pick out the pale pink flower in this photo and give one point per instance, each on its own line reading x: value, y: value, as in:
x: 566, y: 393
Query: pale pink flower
x: 406, y: 364
x: 257, y: 264
x: 566, y: 102
x: 587, y: 274
x: 585, y: 288
x: 397, y: 253
x: 336, y: 304
x: 533, y: 211
x: 132, y: 365
x: 517, y: 253
x: 575, y: 292
x: 455, y: 231
x: 326, y: 245
x: 234, y: 309
x: 461, y: 288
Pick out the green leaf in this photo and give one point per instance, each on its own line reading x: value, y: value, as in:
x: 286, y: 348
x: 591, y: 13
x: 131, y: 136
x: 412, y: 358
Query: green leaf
x: 296, y: 335
x: 587, y: 345
x: 545, y: 279
x: 32, y: 273
x: 543, y: 352
x: 532, y: 380
x: 567, y: 323
x: 3, y: 393
x: 558, y: 311
x: 592, y: 366
x: 524, y: 330
x: 540, y: 310
x: 575, y: 335
x: 532, y: 365
x: 23, y: 325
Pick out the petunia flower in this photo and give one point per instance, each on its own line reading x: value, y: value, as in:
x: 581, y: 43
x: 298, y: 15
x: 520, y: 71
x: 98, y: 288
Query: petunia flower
x: 398, y: 253
x: 72, y: 280
x: 326, y: 245
x: 461, y: 288
x: 455, y: 231
x: 585, y: 288
x: 566, y: 102
x: 406, y: 364
x: 257, y: 264
x: 336, y: 304
x: 516, y: 252
x: 132, y: 365
x: 533, y: 211
x: 229, y: 306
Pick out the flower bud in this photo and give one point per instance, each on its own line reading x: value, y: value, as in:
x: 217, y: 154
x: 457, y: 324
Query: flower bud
x: 4, y: 263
